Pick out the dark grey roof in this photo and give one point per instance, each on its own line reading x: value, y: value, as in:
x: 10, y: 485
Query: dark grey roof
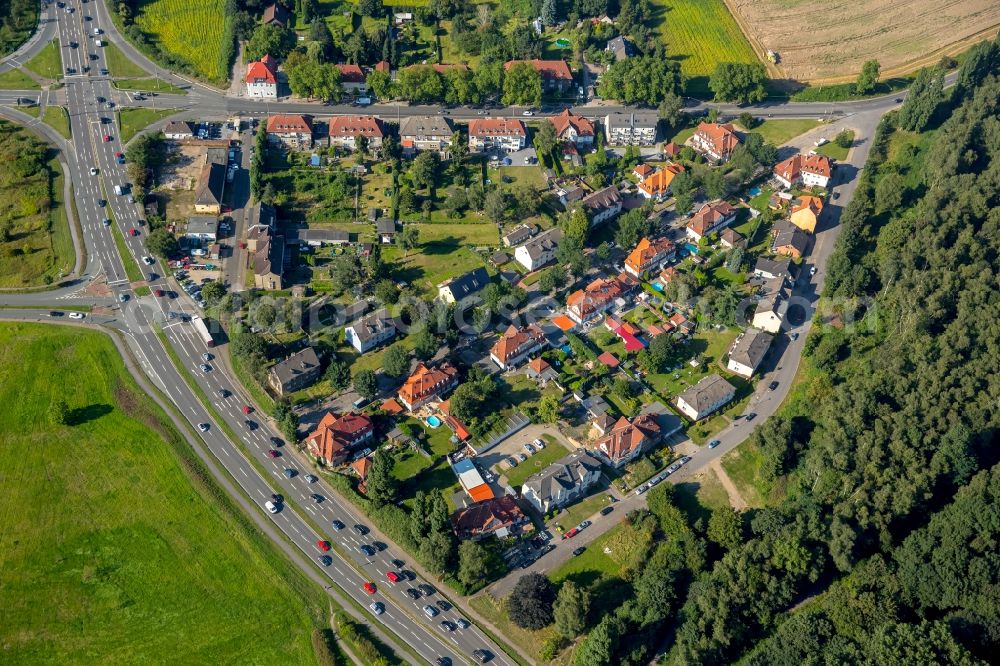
x: 468, y: 284
x: 385, y: 226
x: 603, y: 199
x: 709, y: 391
x: 519, y: 234
x: 210, y: 182
x: 322, y: 235
x: 260, y: 214
x: 203, y: 224
x: 750, y: 348
x: 790, y: 235
x: 421, y: 126
x: 297, y: 364
x: 770, y: 267
x: 546, y: 241
x: 632, y: 119
x: 371, y: 325
x: 178, y: 127
x: 621, y: 47
x: 567, y: 472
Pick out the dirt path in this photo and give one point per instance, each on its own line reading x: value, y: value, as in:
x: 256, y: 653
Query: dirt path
x: 735, y: 498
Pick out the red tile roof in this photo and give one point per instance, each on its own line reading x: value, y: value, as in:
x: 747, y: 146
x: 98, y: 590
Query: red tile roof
x: 709, y: 216
x: 288, y: 123
x: 549, y: 69
x: 488, y: 517
x: 334, y: 435
x: 793, y: 168
x: 341, y: 126
x: 643, y: 170
x: 608, y: 359
x: 594, y: 296
x: 351, y: 74
x: 647, y: 252
x: 671, y: 149
x: 425, y: 382
x: 722, y: 138
x: 627, y: 436
x: 382, y: 66
x: 496, y: 127
x: 262, y: 71
x: 539, y: 365
x: 567, y: 119
x: 515, y: 340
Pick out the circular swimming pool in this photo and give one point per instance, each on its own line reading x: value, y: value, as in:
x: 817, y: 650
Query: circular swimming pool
x: 433, y: 421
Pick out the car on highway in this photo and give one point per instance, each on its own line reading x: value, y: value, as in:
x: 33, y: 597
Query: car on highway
x: 392, y: 576
x: 337, y: 525
x: 107, y: 138
x: 316, y: 497
x: 361, y: 529
x: 444, y: 605
x: 426, y: 589
x: 247, y: 409
x: 325, y: 560
x: 76, y: 315
x: 527, y: 113
x: 277, y: 441
x: 289, y: 473
x: 462, y: 623
x: 378, y: 607
x: 369, y: 588
x: 205, y: 367
x: 714, y: 443
x: 106, y: 222
x: 482, y: 656
x: 223, y: 393
x: 272, y: 454
x: 579, y: 551
x: 271, y: 507
x: 148, y: 260
x: 366, y: 550
x: 100, y: 203
x: 606, y: 510
x: 93, y: 171
x: 430, y: 611
x: 323, y: 545
x: 311, y: 478
x: 133, y: 232
x: 120, y: 158
x: 205, y: 356
x: 379, y: 546
x: 448, y: 625
x: 55, y: 313
x: 203, y: 427
x: 122, y: 297
x: 399, y: 564
x: 277, y: 498
x: 413, y: 593
x: 251, y: 425
x: 773, y: 385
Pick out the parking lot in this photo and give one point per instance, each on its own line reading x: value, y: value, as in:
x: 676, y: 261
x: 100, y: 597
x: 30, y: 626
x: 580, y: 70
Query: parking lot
x: 527, y: 461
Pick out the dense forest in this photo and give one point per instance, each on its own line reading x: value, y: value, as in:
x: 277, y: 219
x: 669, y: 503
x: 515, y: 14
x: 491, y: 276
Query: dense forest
x: 18, y: 19
x: 885, y: 543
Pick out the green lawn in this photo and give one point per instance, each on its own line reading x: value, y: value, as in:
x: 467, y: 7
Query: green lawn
x: 697, y: 498
x: 708, y: 345
x: 433, y: 262
x: 119, y: 65
x: 778, y: 132
x: 577, y: 513
x: 118, y: 546
x: 133, y: 121
x: 495, y: 613
x: 146, y: 85
x: 833, y: 151
x: 552, y: 452
x: 58, y: 119
x: 701, y: 34
x: 47, y: 63
x: 15, y: 79
x: 132, y: 271
x: 743, y: 467
x: 625, y: 546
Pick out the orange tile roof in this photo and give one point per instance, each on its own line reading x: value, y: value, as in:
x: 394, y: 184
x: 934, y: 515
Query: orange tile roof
x: 643, y: 170
x: 564, y: 323
x: 626, y: 436
x: 658, y: 183
x: 608, y: 359
x: 594, y: 296
x: 722, y: 137
x: 391, y: 406
x: 351, y: 74
x: 481, y: 493
x: 646, y: 253
x: 284, y: 123
x: 815, y: 204
x: 549, y: 69
x: 539, y: 365
x: 425, y: 382
x: 793, y: 168
x: 496, y: 127
x: 382, y: 66
x: 709, y: 216
x: 567, y: 119
x: 515, y: 339
x: 672, y: 149
x: 341, y: 126
x: 262, y: 71
x: 334, y: 435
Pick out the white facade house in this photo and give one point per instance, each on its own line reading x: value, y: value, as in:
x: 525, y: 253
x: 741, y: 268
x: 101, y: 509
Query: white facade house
x: 602, y: 205
x: 771, y: 309
x: 371, y: 331
x: 507, y: 135
x: 563, y: 481
x: 705, y: 397
x: 262, y: 78
x: 748, y: 351
x: 635, y: 128
x: 540, y: 250
x: 809, y: 170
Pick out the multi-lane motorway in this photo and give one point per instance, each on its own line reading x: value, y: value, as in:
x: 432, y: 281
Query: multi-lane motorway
x: 303, y: 521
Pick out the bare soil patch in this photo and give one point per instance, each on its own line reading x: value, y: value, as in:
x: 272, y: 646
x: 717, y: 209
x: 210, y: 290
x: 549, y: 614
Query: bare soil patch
x: 829, y: 44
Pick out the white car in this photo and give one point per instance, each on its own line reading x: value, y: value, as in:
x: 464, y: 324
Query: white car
x: 147, y: 260
x: 93, y: 171
x: 76, y: 315
x: 203, y: 427
x: 271, y: 507
x: 311, y: 478
x: 206, y: 356
x: 527, y: 113
x: 430, y: 611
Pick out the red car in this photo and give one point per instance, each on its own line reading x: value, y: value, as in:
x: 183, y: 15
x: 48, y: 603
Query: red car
x: 369, y: 588
x: 158, y: 292
x: 133, y: 232
x: 247, y: 409
x: 271, y: 453
x: 323, y: 545
x: 572, y: 533
x: 107, y: 137
x: 392, y: 576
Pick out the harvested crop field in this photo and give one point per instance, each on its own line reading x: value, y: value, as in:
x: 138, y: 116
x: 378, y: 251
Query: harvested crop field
x: 830, y: 45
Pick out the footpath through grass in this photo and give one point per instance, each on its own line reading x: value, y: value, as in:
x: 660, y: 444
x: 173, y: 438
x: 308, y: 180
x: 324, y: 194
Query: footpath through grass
x: 47, y: 63
x: 118, y: 545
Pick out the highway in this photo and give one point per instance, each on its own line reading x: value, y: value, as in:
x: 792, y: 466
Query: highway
x: 303, y: 521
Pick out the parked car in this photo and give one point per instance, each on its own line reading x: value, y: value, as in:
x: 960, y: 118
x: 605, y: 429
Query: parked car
x: 714, y: 443
x: 773, y: 385
x: 606, y: 510
x: 579, y: 551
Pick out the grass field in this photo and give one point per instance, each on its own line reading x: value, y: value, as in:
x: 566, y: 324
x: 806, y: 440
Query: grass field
x: 701, y: 34
x: 57, y: 118
x: 118, y: 64
x: 40, y: 247
x: 432, y: 263
x: 15, y: 79
x: 193, y: 31
x: 552, y: 452
x: 778, y: 132
x: 832, y: 150
x: 132, y: 271
x: 133, y: 121
x: 47, y: 63
x: 161, y: 564
x: 146, y: 85
x: 495, y: 613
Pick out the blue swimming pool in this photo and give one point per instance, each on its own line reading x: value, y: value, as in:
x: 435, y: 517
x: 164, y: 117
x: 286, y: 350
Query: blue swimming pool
x: 657, y: 286
x: 755, y: 192
x: 433, y: 421
x: 691, y: 247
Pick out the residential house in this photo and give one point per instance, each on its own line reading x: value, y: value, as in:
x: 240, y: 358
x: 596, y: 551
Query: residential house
x: 710, y: 218
x: 705, y: 397
x: 621, y: 47
x: 570, y: 193
x: 715, y: 141
x: 500, y: 517
x: 789, y: 240
x: 730, y: 238
x: 344, y: 131
x: 648, y: 255
x: 457, y: 289
x: 809, y: 170
x: 276, y: 14
x: 361, y: 467
x: 657, y: 184
x: 627, y: 439
x: 291, y: 131
x: 370, y: 331
x: 336, y: 436
x: 296, y: 372
x: 260, y: 214
x: 633, y: 128
x: 322, y: 237
x: 178, y: 130
x: 517, y: 344
x: 540, y: 250
x: 771, y: 269
x: 540, y: 370
x: 602, y: 205
x: 574, y: 129
x: 208, y: 190
x: 385, y: 229
x: 427, y: 384
x: 268, y: 257
x: 352, y: 78
x: 555, y: 73
x: 426, y: 133
x: 643, y: 171
x: 748, y: 351
x: 471, y: 480
x: 588, y: 303
x: 262, y: 78
x: 519, y: 234
x: 507, y: 135
x: 563, y: 481
x: 805, y: 212
x: 772, y: 308
x: 202, y: 227
x: 671, y: 150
